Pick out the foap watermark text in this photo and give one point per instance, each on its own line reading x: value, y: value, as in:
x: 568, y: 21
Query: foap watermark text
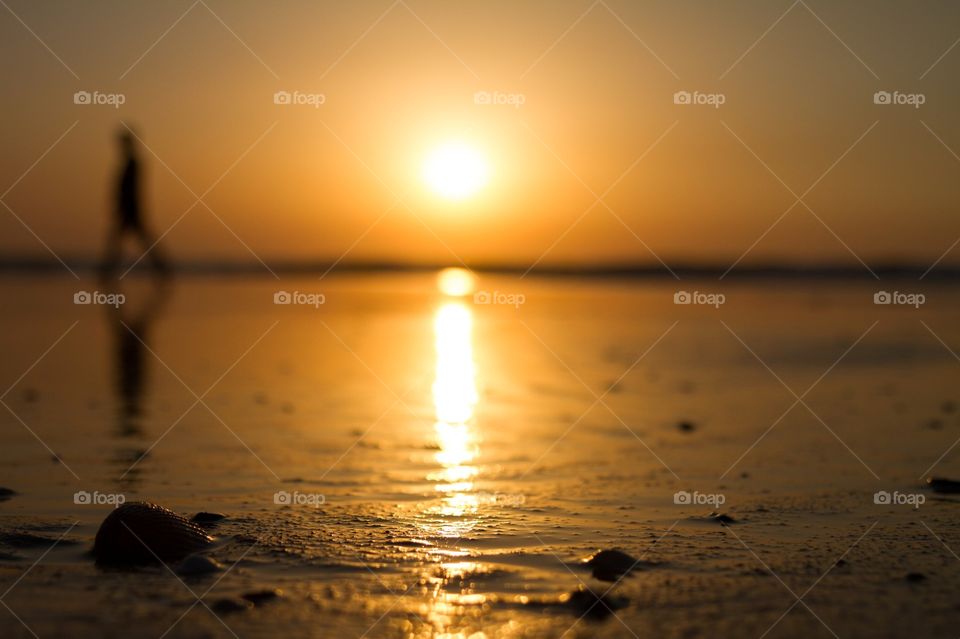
x: 696, y: 498
x: 896, y: 498
x: 299, y: 298
x: 899, y: 298
x: 697, y: 98
x: 97, y: 298
x: 96, y: 498
x: 296, y: 498
x: 499, y: 98
x: 699, y: 298
x: 298, y: 98
x: 499, y: 298
x: 896, y: 98
x: 99, y: 98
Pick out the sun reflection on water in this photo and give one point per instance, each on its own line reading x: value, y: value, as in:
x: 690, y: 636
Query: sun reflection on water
x: 454, y: 399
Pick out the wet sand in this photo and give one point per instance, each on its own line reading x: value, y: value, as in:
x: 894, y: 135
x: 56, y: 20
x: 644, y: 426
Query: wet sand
x: 444, y: 465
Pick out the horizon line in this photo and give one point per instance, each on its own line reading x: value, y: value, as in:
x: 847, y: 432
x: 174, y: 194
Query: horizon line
x: 654, y: 270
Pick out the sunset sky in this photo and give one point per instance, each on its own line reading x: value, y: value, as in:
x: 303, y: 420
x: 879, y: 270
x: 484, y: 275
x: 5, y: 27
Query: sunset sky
x: 589, y: 112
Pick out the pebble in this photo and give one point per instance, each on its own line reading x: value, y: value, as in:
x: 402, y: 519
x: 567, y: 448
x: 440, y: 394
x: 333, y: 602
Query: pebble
x: 721, y: 519
x: 259, y: 597
x: 229, y: 604
x: 585, y: 602
x: 943, y: 485
x: 686, y: 427
x: 915, y: 577
x: 207, y: 518
x: 610, y: 565
x: 6, y: 493
x: 195, y: 565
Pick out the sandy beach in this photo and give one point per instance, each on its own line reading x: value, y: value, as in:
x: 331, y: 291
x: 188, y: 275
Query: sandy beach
x: 396, y: 462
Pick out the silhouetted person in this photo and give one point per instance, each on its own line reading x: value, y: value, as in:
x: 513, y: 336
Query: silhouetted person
x: 129, y: 211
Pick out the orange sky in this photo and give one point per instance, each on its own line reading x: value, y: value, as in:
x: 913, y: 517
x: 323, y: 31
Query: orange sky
x: 679, y: 182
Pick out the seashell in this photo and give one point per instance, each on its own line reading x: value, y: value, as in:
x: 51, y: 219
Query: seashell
x: 143, y: 533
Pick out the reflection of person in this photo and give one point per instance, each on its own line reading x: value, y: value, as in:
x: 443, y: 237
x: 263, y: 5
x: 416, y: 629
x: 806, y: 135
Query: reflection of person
x: 129, y: 211
x: 130, y: 347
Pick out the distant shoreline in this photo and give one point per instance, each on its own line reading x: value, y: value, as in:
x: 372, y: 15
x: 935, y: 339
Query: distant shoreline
x: 29, y: 266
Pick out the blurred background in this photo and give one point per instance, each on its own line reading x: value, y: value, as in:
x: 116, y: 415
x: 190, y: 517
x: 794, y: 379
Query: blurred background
x: 563, y: 101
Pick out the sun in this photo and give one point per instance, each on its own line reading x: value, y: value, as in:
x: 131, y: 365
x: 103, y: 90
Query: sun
x: 455, y: 171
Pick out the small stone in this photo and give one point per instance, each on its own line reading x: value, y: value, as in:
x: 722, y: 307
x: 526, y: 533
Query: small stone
x: 949, y: 406
x: 721, y: 519
x: 31, y: 395
x: 686, y: 427
x: 611, y: 565
x: 6, y: 493
x: 260, y: 597
x: 195, y: 565
x: 227, y: 605
x: 943, y: 485
x: 586, y: 603
x: 207, y: 518
x: 915, y: 577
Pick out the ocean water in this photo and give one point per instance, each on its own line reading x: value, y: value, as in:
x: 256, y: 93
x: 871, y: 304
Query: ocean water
x: 413, y: 457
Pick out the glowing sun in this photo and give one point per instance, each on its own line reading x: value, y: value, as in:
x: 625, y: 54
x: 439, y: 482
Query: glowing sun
x: 455, y: 171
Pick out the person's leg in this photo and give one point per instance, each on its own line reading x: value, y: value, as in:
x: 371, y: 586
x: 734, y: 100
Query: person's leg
x: 151, y: 247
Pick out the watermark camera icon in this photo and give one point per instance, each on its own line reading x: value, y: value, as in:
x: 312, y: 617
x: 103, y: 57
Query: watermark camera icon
x: 682, y: 297
x: 682, y: 97
x: 882, y: 97
x: 282, y: 297
x: 682, y: 498
x: 82, y: 297
x: 882, y: 297
x: 482, y: 297
x: 282, y: 97
x: 82, y: 97
x: 482, y: 97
